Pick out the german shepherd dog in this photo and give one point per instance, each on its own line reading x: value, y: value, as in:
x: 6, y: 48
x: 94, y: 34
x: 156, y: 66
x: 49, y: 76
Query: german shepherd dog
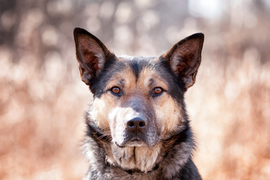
x: 137, y: 125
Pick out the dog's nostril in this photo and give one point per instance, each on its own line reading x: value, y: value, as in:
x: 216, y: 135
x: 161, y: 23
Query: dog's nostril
x: 142, y: 124
x: 130, y: 124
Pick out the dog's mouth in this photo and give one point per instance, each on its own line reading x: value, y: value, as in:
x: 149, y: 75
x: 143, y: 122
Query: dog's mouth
x: 135, y: 140
x: 131, y: 139
x: 132, y: 143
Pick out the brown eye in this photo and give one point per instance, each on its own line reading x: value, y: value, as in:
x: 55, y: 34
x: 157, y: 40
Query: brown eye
x: 158, y: 90
x: 116, y: 90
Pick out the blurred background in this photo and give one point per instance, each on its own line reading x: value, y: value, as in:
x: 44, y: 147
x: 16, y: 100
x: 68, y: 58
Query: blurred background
x: 42, y: 99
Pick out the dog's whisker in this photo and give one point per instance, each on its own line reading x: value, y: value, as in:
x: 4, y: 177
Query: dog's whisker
x: 106, y: 137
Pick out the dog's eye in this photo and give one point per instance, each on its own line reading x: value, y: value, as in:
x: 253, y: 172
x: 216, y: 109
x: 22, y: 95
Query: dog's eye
x: 158, y: 90
x: 116, y: 90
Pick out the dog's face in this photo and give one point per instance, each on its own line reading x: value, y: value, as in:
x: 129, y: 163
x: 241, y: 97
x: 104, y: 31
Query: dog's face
x: 134, y: 102
x: 137, y: 100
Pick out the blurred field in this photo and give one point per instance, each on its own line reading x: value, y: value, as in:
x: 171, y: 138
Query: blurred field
x: 42, y: 99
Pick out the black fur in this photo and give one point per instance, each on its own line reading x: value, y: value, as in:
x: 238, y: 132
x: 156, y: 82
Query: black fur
x: 178, y: 68
x: 171, y: 147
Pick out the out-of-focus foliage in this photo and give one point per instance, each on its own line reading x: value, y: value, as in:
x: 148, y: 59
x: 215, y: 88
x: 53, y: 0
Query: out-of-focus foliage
x: 42, y: 99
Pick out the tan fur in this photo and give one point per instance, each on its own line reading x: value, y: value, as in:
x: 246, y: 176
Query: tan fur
x: 168, y: 116
x: 101, y: 105
x: 108, y: 107
x: 147, y: 157
x: 166, y: 109
x: 137, y: 132
x: 142, y: 158
x: 102, y: 110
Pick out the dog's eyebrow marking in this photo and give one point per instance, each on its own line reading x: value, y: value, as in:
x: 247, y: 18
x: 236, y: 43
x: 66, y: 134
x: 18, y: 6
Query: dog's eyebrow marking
x: 121, y: 82
x: 151, y: 82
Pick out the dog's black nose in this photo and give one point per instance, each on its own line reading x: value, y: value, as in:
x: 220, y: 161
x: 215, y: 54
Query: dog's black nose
x: 136, y: 124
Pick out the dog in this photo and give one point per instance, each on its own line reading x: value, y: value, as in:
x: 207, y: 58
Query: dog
x: 137, y: 124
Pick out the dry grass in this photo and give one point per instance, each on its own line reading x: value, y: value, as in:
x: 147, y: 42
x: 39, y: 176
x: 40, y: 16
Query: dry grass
x: 41, y: 124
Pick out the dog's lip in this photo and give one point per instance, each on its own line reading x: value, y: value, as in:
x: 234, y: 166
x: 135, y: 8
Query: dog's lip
x: 133, y: 142
x: 135, y: 139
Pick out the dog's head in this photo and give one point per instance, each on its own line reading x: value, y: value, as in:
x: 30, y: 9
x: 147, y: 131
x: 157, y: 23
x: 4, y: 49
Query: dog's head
x: 138, y: 100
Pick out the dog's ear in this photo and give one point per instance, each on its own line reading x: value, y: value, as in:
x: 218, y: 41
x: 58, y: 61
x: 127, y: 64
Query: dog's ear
x: 91, y: 54
x: 184, y: 58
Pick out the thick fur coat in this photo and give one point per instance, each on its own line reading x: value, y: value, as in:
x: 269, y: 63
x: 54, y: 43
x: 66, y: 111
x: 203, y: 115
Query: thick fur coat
x: 137, y: 125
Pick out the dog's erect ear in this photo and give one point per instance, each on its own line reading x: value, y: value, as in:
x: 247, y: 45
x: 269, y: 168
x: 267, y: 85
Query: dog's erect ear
x: 91, y: 54
x: 184, y: 58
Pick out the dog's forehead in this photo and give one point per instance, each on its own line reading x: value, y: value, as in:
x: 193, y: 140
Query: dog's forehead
x: 137, y: 66
x: 135, y: 71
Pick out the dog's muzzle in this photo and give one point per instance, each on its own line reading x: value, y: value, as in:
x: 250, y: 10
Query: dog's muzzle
x: 135, y: 131
x: 134, y: 124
